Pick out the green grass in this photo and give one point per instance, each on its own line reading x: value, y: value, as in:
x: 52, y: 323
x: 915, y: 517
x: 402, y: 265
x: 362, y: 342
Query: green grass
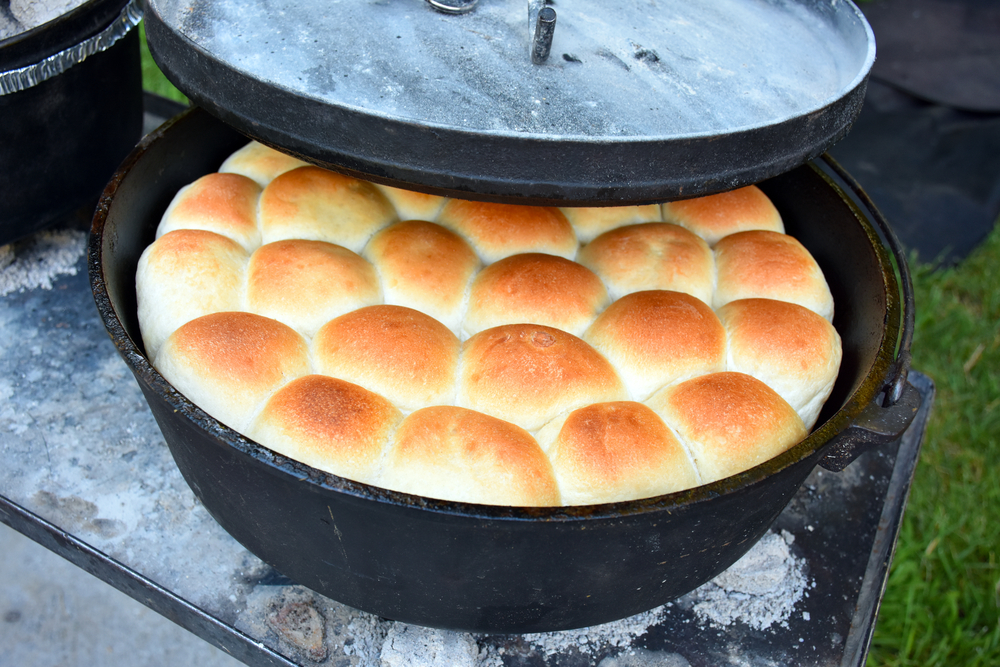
x: 153, y: 79
x: 941, y: 603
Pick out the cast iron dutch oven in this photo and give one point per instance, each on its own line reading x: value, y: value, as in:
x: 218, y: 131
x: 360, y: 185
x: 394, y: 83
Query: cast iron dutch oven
x: 499, y: 569
x: 61, y: 139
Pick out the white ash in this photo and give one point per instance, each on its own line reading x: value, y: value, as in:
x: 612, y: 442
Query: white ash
x: 33, y: 13
x: 590, y: 640
x: 367, y: 634
x: 760, y: 590
x: 35, y: 263
x: 414, y: 646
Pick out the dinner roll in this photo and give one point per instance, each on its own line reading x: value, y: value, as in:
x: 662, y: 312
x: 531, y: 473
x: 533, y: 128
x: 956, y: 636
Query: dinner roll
x: 770, y: 265
x: 305, y: 284
x: 729, y: 422
x: 658, y: 337
x: 535, y: 288
x: 230, y: 363
x: 496, y: 231
x: 608, y: 452
x: 261, y: 163
x: 651, y: 256
x: 329, y: 424
x: 426, y: 267
x: 400, y: 353
x: 527, y: 374
x: 787, y: 347
x: 412, y: 205
x: 716, y: 216
x: 185, y: 274
x: 222, y: 203
x: 319, y: 205
x: 591, y: 222
x: 455, y: 454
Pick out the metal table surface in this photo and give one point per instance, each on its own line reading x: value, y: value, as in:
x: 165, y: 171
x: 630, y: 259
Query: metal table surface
x: 84, y: 471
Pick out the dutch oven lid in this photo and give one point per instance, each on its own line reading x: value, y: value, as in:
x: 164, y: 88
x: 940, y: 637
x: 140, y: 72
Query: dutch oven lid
x: 637, y: 101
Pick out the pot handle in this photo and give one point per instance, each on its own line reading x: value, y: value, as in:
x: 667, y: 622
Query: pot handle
x: 892, y: 412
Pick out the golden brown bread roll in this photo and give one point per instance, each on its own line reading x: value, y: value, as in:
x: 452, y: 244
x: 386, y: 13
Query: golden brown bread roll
x: 496, y: 231
x: 591, y: 222
x: 426, y: 267
x: 456, y: 454
x: 400, y: 353
x: 729, y: 422
x: 319, y: 205
x: 716, y: 216
x: 651, y: 256
x: 230, y: 363
x: 222, y: 203
x: 260, y: 163
x: 658, y: 337
x: 305, y: 284
x: 185, y: 274
x: 412, y: 205
x: 608, y: 452
x: 787, y: 347
x: 535, y: 288
x: 769, y: 265
x: 527, y: 374
x: 329, y: 424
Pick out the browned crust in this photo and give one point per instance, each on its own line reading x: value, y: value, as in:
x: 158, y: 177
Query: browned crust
x: 462, y: 455
x: 401, y: 353
x: 316, y: 204
x: 590, y: 222
x: 221, y: 203
x: 328, y: 423
x: 653, y: 255
x: 537, y: 288
x: 260, y: 163
x: 501, y: 230
x: 529, y: 373
x: 608, y: 452
x: 717, y: 216
x: 307, y: 283
x: 229, y: 362
x: 770, y: 265
x: 657, y: 337
x: 424, y: 263
x: 729, y: 421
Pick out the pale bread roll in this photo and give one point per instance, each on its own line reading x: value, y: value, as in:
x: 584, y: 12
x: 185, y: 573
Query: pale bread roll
x: 538, y: 289
x: 329, y: 424
x: 716, y: 216
x: 609, y: 452
x: 222, y: 203
x: 787, y: 347
x: 230, y: 363
x: 400, y: 353
x: 261, y: 163
x: 769, y: 265
x: 461, y: 455
x: 651, y: 256
x: 658, y: 337
x: 528, y: 374
x: 496, y: 231
x: 319, y: 205
x: 591, y: 222
x: 728, y: 422
x: 412, y: 205
x: 185, y: 274
x: 426, y: 267
x: 305, y: 284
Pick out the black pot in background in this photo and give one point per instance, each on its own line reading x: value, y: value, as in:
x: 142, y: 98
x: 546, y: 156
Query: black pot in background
x: 62, y: 139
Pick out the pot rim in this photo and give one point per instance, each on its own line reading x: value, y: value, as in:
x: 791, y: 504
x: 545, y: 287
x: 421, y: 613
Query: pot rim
x: 867, y: 393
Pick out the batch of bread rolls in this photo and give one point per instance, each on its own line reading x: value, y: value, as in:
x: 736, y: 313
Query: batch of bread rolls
x: 487, y: 353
